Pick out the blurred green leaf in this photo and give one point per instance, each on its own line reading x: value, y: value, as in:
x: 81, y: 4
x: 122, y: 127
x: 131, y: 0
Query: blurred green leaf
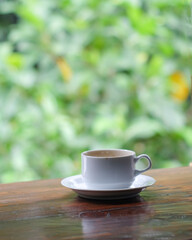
x: 142, y: 22
x: 26, y: 13
x: 143, y: 128
x: 15, y: 60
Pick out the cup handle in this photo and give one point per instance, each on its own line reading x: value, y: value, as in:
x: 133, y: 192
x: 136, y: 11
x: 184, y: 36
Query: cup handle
x: 137, y: 172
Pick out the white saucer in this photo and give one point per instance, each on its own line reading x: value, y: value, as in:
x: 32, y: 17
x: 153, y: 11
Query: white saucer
x: 77, y: 184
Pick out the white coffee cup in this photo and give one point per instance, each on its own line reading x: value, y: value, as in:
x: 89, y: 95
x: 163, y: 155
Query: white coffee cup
x: 110, y: 168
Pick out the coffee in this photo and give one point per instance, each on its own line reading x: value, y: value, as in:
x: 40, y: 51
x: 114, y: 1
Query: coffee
x: 107, y: 153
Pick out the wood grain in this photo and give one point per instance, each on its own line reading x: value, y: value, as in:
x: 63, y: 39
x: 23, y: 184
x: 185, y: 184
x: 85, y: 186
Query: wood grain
x: 46, y: 210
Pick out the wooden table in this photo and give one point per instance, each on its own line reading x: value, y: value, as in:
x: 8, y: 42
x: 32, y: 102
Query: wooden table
x: 46, y: 210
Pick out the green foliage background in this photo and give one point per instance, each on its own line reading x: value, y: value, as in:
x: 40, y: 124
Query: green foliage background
x: 86, y: 74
